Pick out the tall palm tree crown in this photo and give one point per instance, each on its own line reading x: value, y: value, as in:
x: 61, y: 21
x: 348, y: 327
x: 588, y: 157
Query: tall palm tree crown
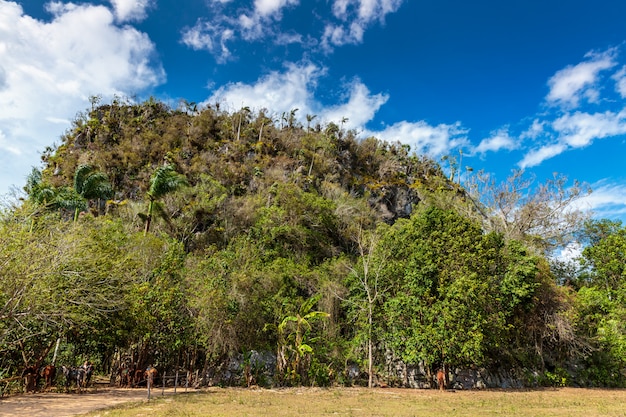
x: 165, y: 180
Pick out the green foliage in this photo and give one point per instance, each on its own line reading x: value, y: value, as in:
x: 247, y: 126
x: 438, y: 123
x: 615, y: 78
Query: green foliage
x: 601, y: 301
x: 452, y: 289
x: 558, y: 378
x: 158, y: 311
x: 304, y: 241
x: 59, y: 280
x: 296, y: 344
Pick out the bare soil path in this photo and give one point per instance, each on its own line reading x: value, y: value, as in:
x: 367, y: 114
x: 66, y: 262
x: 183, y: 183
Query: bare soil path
x: 53, y: 404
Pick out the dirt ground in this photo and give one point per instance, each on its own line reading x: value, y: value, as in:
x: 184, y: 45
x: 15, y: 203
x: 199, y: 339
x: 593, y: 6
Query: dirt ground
x: 52, y: 404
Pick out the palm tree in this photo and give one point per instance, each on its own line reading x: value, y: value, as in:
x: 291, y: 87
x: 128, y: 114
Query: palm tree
x: 66, y: 198
x: 165, y: 180
x: 38, y: 191
x: 91, y: 185
x: 293, y: 332
x: 309, y: 119
x: 42, y: 195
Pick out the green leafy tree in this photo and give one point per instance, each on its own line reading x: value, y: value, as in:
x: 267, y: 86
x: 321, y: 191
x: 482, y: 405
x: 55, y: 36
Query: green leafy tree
x: 40, y: 194
x: 158, y: 312
x: 198, y: 221
x: 605, y: 258
x: 442, y: 271
x: 65, y: 279
x: 602, y: 299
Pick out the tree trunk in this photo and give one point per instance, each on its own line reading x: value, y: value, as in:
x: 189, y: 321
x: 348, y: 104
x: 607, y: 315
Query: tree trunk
x: 148, y: 221
x: 56, y: 349
x: 370, y: 358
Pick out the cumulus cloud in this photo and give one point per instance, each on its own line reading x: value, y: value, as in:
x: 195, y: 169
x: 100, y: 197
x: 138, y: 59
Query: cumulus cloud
x: 580, y: 129
x: 258, y: 22
x: 424, y: 138
x: 229, y: 22
x: 49, y: 69
x: 359, y: 109
x: 577, y: 82
x: 498, y: 140
x: 130, y: 10
x: 620, y: 81
x: 280, y: 91
x: 535, y: 130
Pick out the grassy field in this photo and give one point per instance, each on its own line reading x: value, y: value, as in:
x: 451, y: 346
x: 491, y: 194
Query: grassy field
x: 234, y: 402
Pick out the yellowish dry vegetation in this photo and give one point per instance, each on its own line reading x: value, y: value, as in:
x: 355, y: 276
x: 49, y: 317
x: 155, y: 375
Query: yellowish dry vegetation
x: 230, y: 402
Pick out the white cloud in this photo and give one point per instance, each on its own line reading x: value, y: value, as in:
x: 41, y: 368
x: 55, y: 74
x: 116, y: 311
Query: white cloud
x: 423, y: 138
x: 570, y: 253
x: 355, y: 16
x: 213, y: 38
x: 364, y: 10
x: 130, y: 10
x: 608, y: 199
x: 261, y: 20
x: 580, y: 129
x: 620, y: 81
x: 5, y: 145
x: 575, y: 130
x: 288, y: 38
x: 272, y: 7
x: 199, y: 37
x: 575, y: 82
x: 535, y: 130
x: 295, y: 88
x: 537, y: 156
x: 280, y: 92
x: 498, y: 140
x: 359, y: 109
x: 49, y: 69
x: 258, y: 23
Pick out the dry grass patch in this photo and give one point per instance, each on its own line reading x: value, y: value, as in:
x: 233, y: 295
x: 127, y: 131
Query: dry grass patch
x: 232, y: 402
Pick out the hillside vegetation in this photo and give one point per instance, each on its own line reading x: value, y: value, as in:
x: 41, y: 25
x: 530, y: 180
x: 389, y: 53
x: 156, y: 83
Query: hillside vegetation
x: 186, y: 238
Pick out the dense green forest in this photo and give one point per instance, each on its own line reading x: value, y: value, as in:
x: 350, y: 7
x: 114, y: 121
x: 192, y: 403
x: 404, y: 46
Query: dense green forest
x: 189, y: 237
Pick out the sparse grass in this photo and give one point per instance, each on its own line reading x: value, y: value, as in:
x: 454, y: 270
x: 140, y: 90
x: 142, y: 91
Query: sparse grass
x: 234, y: 402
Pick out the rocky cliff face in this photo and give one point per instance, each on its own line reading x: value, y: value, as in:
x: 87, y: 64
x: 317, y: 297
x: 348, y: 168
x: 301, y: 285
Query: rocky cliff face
x: 394, y: 202
x: 258, y: 368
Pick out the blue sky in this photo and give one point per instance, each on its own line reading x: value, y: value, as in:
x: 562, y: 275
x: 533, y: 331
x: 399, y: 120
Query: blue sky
x: 534, y: 85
